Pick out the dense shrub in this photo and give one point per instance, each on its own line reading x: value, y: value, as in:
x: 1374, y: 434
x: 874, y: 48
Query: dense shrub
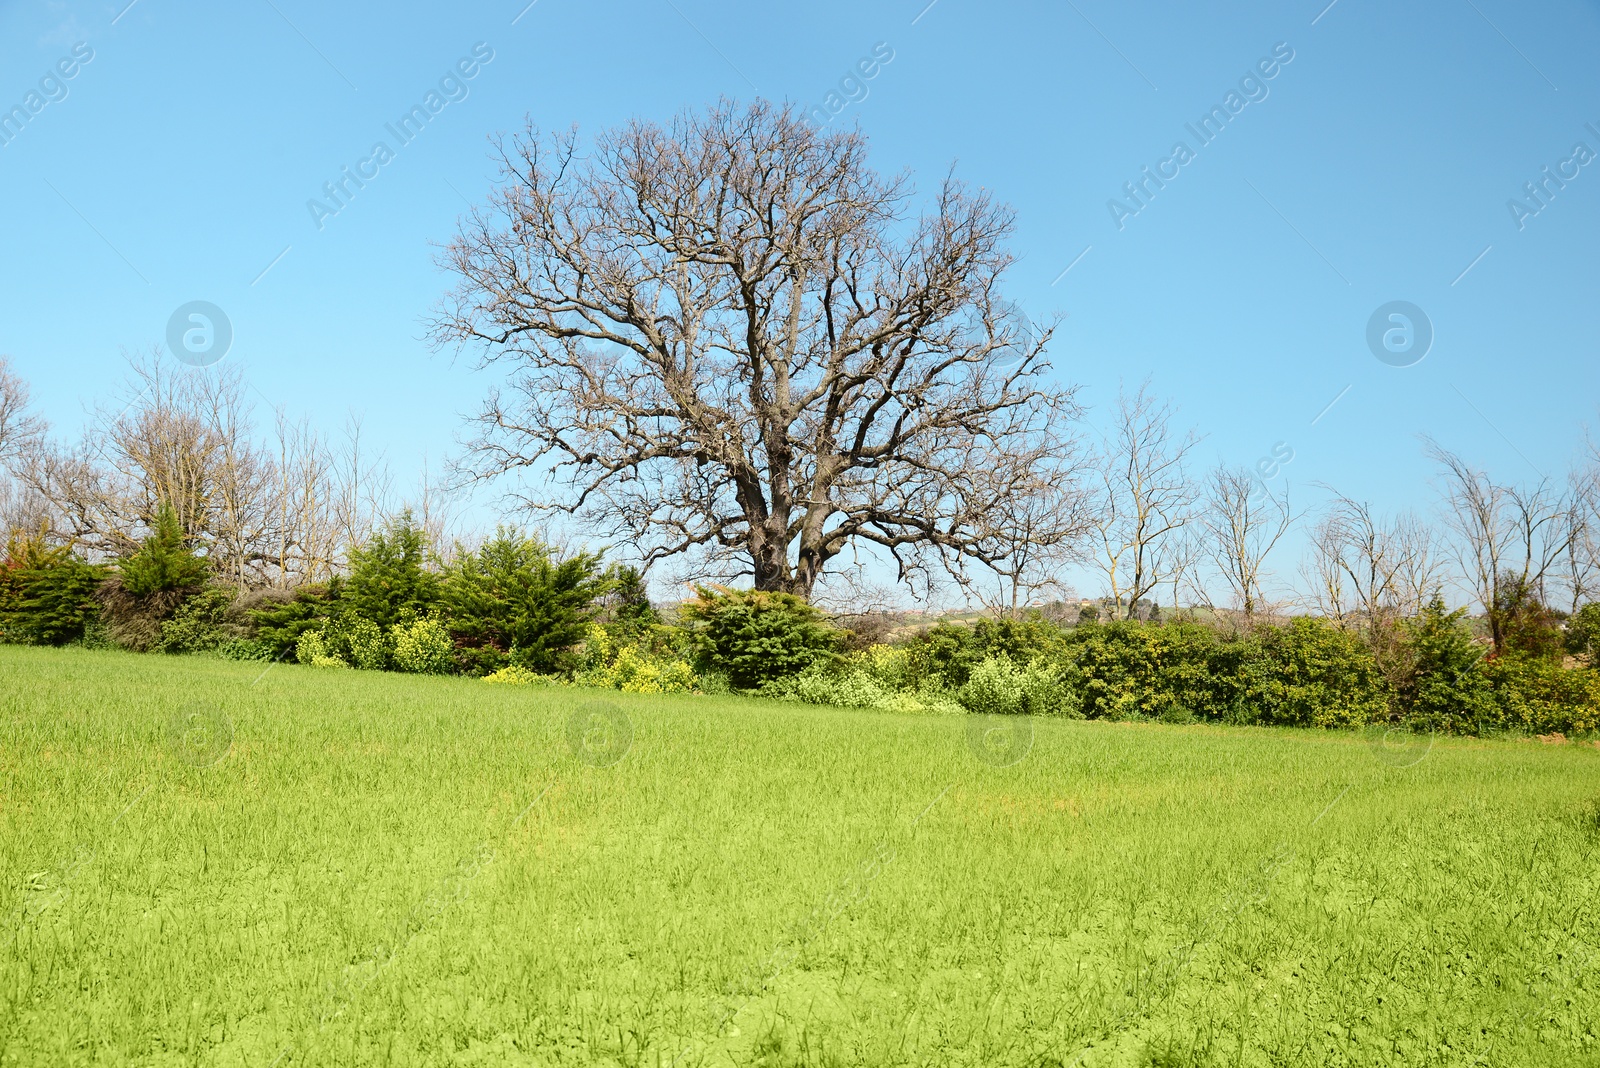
x: 624, y: 605
x: 47, y: 595
x: 201, y: 623
x: 1583, y: 633
x: 999, y: 686
x: 1522, y: 623
x: 162, y: 562
x: 950, y: 651
x: 151, y: 584
x: 1444, y: 686
x: 648, y: 664
x: 1310, y: 673
x: 755, y: 636
x: 347, y: 641
x: 513, y: 675
x: 1536, y: 695
x: 389, y: 582
x: 513, y: 602
x: 422, y: 647
x: 279, y: 626
x: 824, y: 684
x: 1172, y: 671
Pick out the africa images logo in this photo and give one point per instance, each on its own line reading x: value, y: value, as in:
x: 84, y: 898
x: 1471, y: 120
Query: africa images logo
x: 452, y: 89
x: 1252, y: 90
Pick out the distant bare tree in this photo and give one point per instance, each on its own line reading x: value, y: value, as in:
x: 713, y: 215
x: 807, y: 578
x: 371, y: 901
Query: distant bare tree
x: 721, y: 345
x: 362, y: 490
x: 1581, y: 564
x: 1507, y: 536
x: 21, y: 434
x: 1244, y: 520
x: 265, y: 514
x: 1143, y: 501
x: 19, y: 428
x: 1419, y: 568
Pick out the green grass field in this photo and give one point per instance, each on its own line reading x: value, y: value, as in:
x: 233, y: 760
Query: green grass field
x: 382, y: 869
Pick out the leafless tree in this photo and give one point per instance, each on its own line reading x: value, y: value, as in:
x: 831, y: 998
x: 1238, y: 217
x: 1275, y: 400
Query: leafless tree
x: 1144, y: 499
x: 21, y: 434
x: 720, y: 344
x: 1581, y: 563
x: 1370, y: 574
x: 19, y: 428
x: 1506, y: 535
x: 1244, y: 521
x: 1419, y: 569
x: 265, y: 512
x: 362, y: 490
x: 1031, y: 567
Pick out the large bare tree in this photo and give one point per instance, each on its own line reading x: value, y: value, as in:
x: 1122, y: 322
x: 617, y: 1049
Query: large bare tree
x: 731, y: 338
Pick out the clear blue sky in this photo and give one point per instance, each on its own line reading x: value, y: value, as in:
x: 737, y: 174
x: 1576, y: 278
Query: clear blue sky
x: 1378, y: 167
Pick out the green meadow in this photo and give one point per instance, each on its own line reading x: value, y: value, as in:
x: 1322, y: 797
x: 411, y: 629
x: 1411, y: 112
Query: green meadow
x: 203, y: 864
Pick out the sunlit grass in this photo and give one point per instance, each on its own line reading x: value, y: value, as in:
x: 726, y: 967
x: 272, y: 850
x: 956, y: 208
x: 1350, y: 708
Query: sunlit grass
x: 360, y: 879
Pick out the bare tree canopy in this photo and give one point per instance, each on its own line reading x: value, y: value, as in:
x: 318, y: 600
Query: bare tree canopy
x: 722, y: 343
x: 1244, y: 521
x: 1144, y: 500
x: 277, y: 511
x: 18, y: 429
x: 1507, y: 537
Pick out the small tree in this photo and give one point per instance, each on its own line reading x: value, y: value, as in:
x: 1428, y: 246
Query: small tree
x: 152, y: 583
x: 1527, y: 627
x: 47, y: 596
x: 1145, y: 499
x: 756, y: 636
x: 1583, y: 633
x: 515, y: 602
x: 1445, y: 687
x: 163, y: 562
x: 389, y: 582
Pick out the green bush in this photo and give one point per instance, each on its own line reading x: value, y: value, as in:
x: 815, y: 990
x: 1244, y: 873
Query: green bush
x: 1000, y: 687
x: 152, y: 584
x: 279, y: 626
x: 346, y: 642
x: 1444, y: 685
x: 423, y: 647
x: 1310, y: 673
x: 512, y: 602
x: 389, y: 582
x: 855, y: 688
x: 364, y: 644
x: 1536, y: 695
x: 162, y: 561
x: 200, y: 624
x: 47, y: 596
x: 755, y: 636
x: 246, y: 649
x: 1523, y: 624
x: 648, y: 665
x: 1172, y: 671
x: 513, y: 675
x: 1583, y: 633
x: 950, y: 651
